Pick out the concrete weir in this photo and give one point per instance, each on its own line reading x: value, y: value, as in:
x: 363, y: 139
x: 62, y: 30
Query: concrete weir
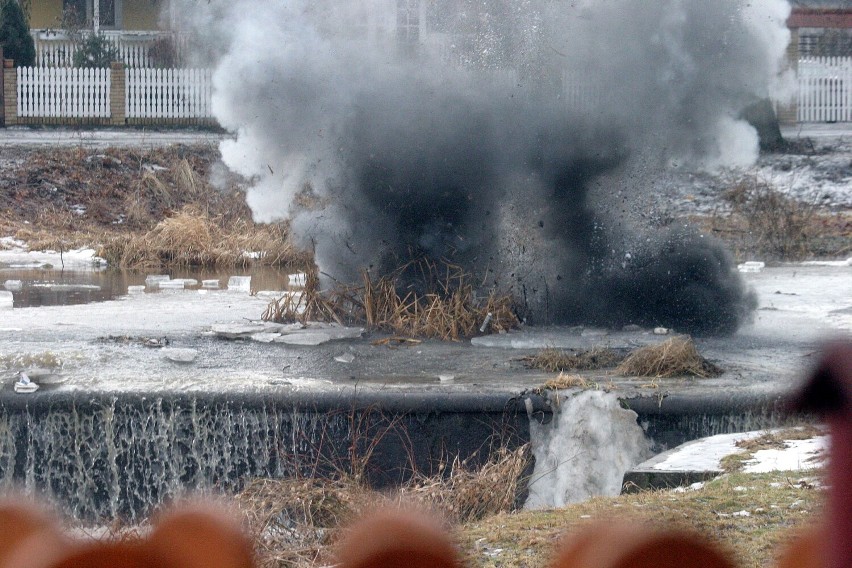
x: 103, y: 457
x: 119, y: 425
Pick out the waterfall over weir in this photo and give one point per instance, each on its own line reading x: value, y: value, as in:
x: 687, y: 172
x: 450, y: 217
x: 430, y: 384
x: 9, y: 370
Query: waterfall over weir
x: 109, y: 458
x: 103, y: 457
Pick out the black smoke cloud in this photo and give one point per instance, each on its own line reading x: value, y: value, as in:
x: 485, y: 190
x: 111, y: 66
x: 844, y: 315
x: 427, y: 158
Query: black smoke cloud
x: 515, y: 139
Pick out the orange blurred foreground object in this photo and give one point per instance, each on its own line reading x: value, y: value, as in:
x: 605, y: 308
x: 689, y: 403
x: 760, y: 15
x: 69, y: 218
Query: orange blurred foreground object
x: 622, y: 545
x: 195, y: 537
x: 28, y: 536
x: 393, y: 539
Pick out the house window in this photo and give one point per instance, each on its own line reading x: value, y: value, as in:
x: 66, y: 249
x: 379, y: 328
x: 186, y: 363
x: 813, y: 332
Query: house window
x: 74, y: 12
x: 825, y: 42
x: 108, y: 13
x: 408, y: 21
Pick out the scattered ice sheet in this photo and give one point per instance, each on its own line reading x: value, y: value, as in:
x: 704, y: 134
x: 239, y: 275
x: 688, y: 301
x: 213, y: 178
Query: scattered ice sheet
x: 706, y: 454
x: 800, y: 454
x: 17, y: 255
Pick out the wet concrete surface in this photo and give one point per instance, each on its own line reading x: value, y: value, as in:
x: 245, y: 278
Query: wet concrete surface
x: 102, y: 348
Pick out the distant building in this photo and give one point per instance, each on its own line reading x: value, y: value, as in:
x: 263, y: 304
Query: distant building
x: 821, y: 28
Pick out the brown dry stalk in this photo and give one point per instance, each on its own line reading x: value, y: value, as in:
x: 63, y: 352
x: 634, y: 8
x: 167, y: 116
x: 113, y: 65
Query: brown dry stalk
x: 674, y: 357
x: 558, y: 360
x: 449, y: 313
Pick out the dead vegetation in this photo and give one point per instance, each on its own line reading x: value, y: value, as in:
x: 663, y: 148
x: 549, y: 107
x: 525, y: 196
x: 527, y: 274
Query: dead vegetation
x: 449, y: 310
x: 295, y: 522
x: 674, y: 357
x: 140, y: 207
x: 761, y: 221
x: 558, y: 360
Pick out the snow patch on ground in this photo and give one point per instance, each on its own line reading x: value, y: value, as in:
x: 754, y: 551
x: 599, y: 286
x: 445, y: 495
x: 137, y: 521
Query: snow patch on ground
x: 707, y: 454
x: 14, y: 254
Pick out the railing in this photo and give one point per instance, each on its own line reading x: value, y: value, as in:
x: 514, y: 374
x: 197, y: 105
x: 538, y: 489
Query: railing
x: 825, y: 89
x: 63, y: 92
x: 56, y: 48
x: 168, y: 93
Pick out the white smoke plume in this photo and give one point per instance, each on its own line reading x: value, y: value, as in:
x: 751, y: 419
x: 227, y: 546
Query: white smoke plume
x: 498, y: 134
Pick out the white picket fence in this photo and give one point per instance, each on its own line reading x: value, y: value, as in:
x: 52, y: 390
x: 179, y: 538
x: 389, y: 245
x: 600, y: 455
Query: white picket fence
x: 63, y: 92
x: 168, y: 93
x: 825, y: 89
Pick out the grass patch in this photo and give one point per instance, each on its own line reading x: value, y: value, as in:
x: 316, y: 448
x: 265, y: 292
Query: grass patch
x: 674, y: 357
x: 191, y: 238
x: 558, y: 360
x: 775, y: 504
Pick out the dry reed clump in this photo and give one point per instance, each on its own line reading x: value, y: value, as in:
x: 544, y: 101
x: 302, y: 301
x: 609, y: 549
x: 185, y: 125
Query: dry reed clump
x: 779, y: 226
x: 469, y: 494
x: 674, y: 357
x: 295, y: 522
x: 557, y: 360
x: 450, y: 312
x: 563, y: 381
x: 191, y: 238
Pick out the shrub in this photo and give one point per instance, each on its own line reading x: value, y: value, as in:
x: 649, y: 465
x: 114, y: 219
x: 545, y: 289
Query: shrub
x: 95, y: 51
x: 779, y: 225
x: 15, y: 34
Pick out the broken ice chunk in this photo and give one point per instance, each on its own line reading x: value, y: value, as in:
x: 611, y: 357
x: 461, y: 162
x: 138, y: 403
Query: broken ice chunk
x: 153, y: 280
x: 305, y: 338
x: 298, y: 279
x: 179, y: 355
x: 13, y: 285
x: 345, y: 358
x: 6, y: 300
x: 239, y: 283
x: 210, y: 284
x: 751, y: 266
x: 24, y: 385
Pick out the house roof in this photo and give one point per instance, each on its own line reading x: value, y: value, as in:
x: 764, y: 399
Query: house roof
x: 821, y: 17
x: 828, y: 390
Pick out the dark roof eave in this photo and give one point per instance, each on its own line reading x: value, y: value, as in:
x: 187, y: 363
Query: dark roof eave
x: 820, y: 18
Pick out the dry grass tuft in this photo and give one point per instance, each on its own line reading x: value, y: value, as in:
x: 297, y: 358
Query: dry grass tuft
x: 563, y: 381
x: 295, y: 522
x: 781, y: 227
x: 674, y: 357
x: 558, y: 360
x: 469, y: 494
x: 449, y: 312
x: 191, y: 238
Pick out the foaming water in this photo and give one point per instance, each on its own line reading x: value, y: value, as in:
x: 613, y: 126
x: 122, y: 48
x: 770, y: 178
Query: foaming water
x: 585, y: 450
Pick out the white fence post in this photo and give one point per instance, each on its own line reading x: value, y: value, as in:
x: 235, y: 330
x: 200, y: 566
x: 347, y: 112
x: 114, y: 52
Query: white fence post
x: 50, y: 92
x: 180, y: 94
x: 825, y: 89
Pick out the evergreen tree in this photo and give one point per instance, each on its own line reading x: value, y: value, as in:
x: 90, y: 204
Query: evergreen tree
x: 15, y: 34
